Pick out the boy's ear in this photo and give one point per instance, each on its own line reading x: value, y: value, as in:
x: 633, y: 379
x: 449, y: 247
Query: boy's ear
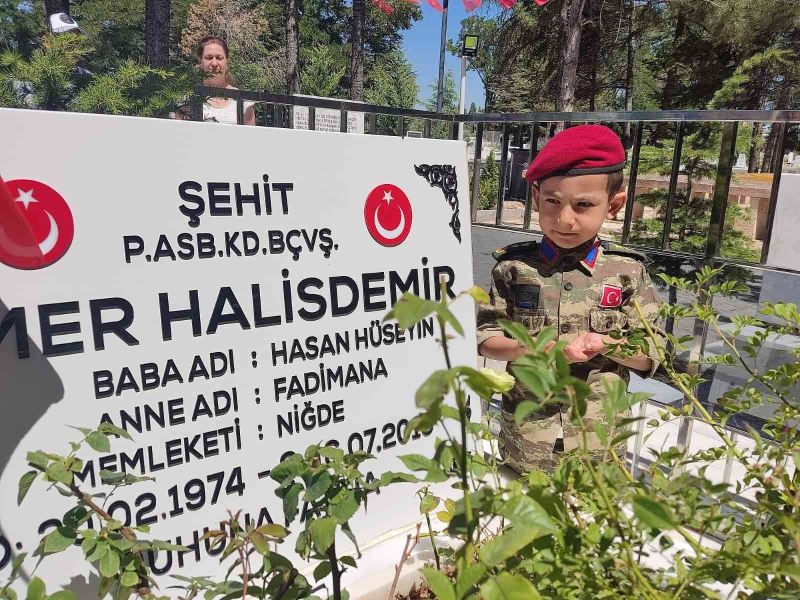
x: 616, y: 203
x: 535, y: 192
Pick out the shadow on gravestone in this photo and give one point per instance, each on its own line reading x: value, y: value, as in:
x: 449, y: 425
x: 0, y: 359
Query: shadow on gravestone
x: 83, y: 589
x: 28, y: 387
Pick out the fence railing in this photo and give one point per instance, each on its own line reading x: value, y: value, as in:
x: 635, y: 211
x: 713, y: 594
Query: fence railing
x: 530, y: 129
x: 280, y: 117
x: 637, y: 121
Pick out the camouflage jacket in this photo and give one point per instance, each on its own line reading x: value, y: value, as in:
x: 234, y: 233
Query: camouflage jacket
x: 586, y: 289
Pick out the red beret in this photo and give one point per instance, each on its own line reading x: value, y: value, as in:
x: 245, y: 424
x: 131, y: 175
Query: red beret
x: 580, y: 150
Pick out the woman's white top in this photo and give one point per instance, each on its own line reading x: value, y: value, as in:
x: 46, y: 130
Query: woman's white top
x: 224, y: 114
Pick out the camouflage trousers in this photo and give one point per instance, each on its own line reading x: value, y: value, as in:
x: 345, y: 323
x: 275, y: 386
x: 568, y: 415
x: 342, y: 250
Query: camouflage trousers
x: 540, y: 440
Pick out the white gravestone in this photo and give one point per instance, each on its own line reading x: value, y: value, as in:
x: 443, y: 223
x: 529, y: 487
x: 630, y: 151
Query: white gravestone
x: 211, y: 304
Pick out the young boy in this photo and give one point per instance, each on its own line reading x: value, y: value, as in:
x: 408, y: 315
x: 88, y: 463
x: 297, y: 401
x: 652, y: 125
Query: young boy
x: 571, y: 281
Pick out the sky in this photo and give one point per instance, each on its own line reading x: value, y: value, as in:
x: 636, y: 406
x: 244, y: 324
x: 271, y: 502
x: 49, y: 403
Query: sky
x: 421, y: 44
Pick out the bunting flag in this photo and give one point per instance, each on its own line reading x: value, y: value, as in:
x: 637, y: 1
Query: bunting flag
x: 384, y: 6
x: 470, y: 5
x: 541, y: 2
x: 435, y: 4
x: 507, y: 3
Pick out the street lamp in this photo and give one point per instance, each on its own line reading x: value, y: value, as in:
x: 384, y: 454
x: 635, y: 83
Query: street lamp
x: 469, y: 48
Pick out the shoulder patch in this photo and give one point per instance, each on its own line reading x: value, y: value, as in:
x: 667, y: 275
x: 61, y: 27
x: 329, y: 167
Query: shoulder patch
x: 619, y: 250
x: 507, y: 252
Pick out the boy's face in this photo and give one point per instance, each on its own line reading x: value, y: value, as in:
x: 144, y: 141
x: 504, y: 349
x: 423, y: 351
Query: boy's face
x: 572, y: 208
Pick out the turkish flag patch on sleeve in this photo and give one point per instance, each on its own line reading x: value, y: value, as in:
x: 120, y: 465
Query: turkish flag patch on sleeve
x: 611, y: 297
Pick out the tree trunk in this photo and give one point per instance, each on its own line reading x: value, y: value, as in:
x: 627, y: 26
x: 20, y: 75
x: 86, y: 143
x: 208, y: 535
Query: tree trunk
x: 156, y: 31
x: 671, y: 80
x: 770, y: 149
x: 759, y: 103
x: 292, y: 60
x: 629, y: 73
x: 52, y: 7
x: 668, y: 92
x: 357, y: 51
x: 753, y: 155
x: 689, y: 185
x: 572, y: 21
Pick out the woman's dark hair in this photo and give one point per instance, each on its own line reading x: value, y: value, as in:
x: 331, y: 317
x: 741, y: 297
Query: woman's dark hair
x: 211, y: 39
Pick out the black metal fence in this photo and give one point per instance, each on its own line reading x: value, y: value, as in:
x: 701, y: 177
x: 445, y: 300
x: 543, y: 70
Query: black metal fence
x: 637, y: 123
x: 530, y: 129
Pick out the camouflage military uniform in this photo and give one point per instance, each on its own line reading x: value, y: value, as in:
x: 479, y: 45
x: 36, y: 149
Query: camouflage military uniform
x: 586, y: 289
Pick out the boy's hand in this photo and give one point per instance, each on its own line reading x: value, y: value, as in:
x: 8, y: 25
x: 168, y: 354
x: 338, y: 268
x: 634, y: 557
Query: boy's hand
x: 502, y: 348
x: 585, y: 347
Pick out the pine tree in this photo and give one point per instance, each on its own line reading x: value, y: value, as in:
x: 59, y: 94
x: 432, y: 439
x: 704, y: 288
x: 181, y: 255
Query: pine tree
x: 449, y: 103
x: 49, y: 80
x: 357, y: 50
x: 490, y: 180
x: 391, y: 82
x: 156, y: 27
x: 292, y: 48
x: 322, y: 71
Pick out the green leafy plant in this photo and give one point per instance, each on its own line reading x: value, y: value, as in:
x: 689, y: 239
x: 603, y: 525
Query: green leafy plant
x: 262, y: 572
x: 332, y: 488
x: 113, y: 548
x: 428, y: 502
x: 588, y: 529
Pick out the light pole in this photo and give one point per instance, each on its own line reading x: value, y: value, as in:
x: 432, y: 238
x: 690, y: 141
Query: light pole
x: 469, y: 48
x: 440, y: 88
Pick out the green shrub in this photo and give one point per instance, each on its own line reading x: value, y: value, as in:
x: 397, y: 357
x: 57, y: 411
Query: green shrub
x: 582, y: 532
x: 490, y: 178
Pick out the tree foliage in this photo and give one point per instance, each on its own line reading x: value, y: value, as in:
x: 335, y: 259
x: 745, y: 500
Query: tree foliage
x: 449, y: 102
x: 51, y: 79
x: 685, y: 53
x: 489, y: 182
x: 114, y: 42
x: 322, y: 71
x: 46, y: 79
x: 21, y: 24
x: 392, y: 82
x: 246, y: 28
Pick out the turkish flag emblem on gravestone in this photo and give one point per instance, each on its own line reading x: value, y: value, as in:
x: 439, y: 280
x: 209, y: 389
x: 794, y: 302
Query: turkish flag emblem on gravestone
x: 387, y: 214
x: 37, y: 225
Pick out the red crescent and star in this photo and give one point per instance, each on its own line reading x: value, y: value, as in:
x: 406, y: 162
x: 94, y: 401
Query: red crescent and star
x: 387, y: 214
x: 36, y: 224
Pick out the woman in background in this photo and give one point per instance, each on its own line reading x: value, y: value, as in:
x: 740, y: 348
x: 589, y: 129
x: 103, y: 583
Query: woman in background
x: 212, y: 57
